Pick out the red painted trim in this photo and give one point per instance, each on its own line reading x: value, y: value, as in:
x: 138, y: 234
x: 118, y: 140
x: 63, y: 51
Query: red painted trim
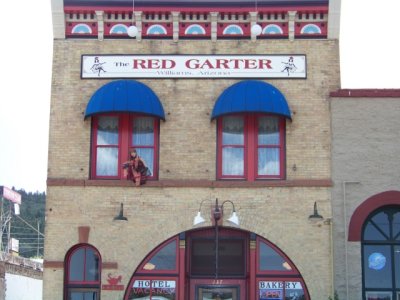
x: 83, y: 232
x: 168, y: 9
x: 253, y: 270
x: 366, y: 93
x: 84, y: 283
x: 182, y: 273
x: 251, y: 148
x: 125, y: 128
x: 366, y: 208
x: 53, y: 264
x: 182, y: 183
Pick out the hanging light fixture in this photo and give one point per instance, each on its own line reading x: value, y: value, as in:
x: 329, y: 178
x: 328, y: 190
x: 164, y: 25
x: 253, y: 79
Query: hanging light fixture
x: 256, y: 28
x: 132, y: 30
x: 120, y: 216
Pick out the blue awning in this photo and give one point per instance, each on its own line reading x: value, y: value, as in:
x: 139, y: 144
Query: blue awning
x: 125, y: 96
x: 251, y: 96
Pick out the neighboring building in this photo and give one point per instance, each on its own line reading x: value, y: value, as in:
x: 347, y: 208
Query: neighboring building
x: 20, y: 278
x: 217, y: 111
x: 366, y: 193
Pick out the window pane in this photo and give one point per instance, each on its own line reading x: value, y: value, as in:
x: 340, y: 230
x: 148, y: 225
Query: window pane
x: 270, y: 260
x: 90, y: 296
x: 107, y: 162
x: 268, y: 131
x: 107, y: 131
x: 165, y: 259
x: 203, y: 257
x: 231, y: 258
x: 382, y: 222
x: 232, y: 161
x: 92, y: 265
x: 143, y: 131
x: 76, y: 296
x: 373, y: 234
x: 378, y: 295
x: 147, y: 154
x: 377, y: 266
x: 232, y: 131
x: 83, y: 295
x: 140, y: 290
x: 397, y: 265
x: 163, y: 291
x: 268, y: 161
x: 76, y: 265
x: 396, y: 226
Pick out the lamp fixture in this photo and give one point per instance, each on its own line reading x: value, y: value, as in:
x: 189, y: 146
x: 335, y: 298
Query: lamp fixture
x: 132, y: 30
x: 256, y: 29
x: 120, y: 216
x: 315, y: 216
x: 217, y: 214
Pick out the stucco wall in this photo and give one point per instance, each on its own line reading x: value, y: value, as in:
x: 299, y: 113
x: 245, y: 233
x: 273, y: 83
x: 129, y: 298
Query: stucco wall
x: 365, y: 146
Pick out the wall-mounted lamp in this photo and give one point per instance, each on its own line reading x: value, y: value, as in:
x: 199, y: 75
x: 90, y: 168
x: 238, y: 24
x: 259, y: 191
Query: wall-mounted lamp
x: 256, y: 29
x: 217, y: 213
x: 120, y: 216
x: 315, y: 216
x: 132, y: 30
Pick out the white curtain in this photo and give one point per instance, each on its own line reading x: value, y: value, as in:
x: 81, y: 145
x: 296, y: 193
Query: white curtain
x: 233, y: 146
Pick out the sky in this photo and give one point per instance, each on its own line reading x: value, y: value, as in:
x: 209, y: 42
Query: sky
x: 369, y: 49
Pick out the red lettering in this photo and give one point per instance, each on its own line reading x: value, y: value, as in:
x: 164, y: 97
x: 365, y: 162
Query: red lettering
x: 222, y: 64
x: 168, y: 64
x: 250, y: 64
x: 192, y: 63
x: 139, y: 64
x: 207, y: 64
x: 264, y: 63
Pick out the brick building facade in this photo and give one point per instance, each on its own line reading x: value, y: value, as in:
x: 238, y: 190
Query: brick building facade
x: 277, y: 251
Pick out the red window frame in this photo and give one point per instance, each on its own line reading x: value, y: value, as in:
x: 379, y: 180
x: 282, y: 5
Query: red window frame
x: 251, y: 147
x: 84, y: 285
x: 125, y: 129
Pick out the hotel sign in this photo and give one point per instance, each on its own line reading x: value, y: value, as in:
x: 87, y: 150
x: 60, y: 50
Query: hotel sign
x: 193, y: 66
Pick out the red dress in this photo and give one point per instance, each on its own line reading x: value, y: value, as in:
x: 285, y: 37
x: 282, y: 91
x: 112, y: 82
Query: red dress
x: 136, y: 171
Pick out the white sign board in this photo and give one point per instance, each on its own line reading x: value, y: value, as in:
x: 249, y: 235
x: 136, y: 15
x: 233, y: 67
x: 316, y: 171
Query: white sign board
x: 193, y: 66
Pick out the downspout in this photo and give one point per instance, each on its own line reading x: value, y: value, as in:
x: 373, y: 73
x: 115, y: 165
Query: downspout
x: 346, y: 261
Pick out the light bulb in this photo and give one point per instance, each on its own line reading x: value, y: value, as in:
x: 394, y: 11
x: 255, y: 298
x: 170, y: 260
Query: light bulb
x: 256, y: 29
x: 132, y: 31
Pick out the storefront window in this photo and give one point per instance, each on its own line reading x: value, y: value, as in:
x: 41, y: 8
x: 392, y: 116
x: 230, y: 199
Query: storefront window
x: 251, y: 146
x: 114, y: 136
x: 381, y: 255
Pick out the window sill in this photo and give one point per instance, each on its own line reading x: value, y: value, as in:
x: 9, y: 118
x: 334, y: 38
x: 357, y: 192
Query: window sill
x: 192, y: 183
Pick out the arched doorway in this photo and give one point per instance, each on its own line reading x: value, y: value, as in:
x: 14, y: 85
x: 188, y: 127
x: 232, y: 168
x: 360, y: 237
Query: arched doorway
x: 235, y: 265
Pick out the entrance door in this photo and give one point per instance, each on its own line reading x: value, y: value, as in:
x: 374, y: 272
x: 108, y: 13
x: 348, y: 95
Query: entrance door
x: 217, y: 289
x: 217, y: 293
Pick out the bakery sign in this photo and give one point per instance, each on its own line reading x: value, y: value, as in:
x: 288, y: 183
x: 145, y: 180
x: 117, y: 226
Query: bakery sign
x: 193, y: 66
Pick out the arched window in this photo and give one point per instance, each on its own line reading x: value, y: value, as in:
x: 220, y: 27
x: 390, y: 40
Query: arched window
x: 156, y: 30
x: 233, y: 30
x: 82, y: 29
x: 311, y: 29
x: 82, y: 273
x: 119, y: 29
x: 199, y: 264
x: 381, y: 254
x: 272, y: 29
x: 195, y: 29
